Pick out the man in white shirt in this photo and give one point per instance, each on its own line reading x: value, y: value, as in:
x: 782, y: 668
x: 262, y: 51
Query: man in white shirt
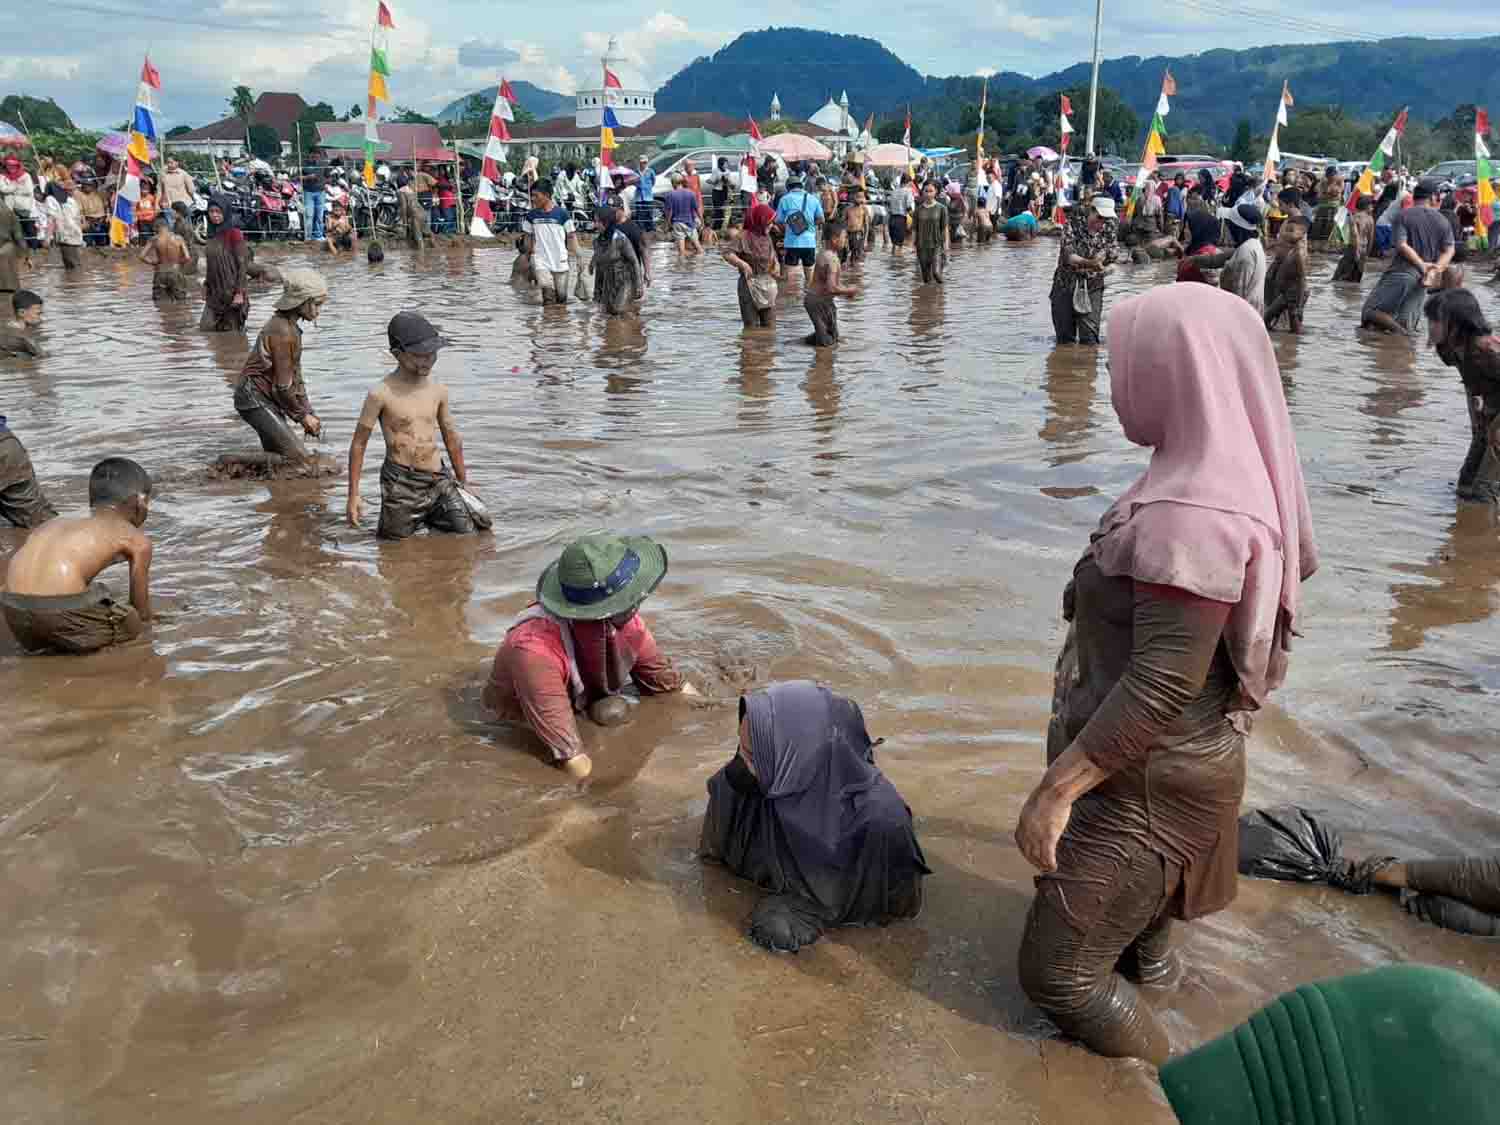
x: 550, y: 238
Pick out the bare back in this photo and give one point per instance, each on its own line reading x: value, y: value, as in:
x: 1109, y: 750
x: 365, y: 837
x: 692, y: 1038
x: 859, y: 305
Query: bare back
x: 825, y: 279
x: 64, y: 555
x: 410, y: 413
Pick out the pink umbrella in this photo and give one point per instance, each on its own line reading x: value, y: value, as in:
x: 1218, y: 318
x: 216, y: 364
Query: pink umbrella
x: 794, y: 146
x: 891, y: 156
x: 115, y: 144
x: 1041, y: 152
x: 10, y: 135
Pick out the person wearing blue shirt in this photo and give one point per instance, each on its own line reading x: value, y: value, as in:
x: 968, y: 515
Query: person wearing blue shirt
x: 800, y: 247
x: 645, y: 196
x: 1177, y: 196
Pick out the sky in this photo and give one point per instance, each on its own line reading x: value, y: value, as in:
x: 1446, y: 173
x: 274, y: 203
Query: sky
x: 86, y: 53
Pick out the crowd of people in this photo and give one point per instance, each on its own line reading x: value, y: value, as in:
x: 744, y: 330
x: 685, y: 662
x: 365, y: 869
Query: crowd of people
x: 1180, y: 610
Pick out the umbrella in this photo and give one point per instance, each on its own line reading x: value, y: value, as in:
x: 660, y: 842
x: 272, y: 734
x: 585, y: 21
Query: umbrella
x: 10, y: 135
x: 351, y: 142
x: 739, y: 142
x: 115, y: 144
x: 692, y: 137
x: 1041, y: 152
x: 623, y: 176
x: 794, y: 146
x: 889, y: 156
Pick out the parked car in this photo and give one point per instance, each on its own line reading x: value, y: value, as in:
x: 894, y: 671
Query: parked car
x: 1451, y: 170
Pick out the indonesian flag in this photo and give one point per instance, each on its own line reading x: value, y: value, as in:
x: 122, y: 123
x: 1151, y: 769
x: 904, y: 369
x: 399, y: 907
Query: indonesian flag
x: 755, y: 132
x: 1366, y: 184
x: 150, y: 75
x: 502, y: 109
x: 906, y: 136
x: 1168, y: 85
x: 1284, y: 104
x: 611, y: 80
x: 1064, y: 125
x: 383, y: 16
x: 507, y: 93
x: 1067, y: 104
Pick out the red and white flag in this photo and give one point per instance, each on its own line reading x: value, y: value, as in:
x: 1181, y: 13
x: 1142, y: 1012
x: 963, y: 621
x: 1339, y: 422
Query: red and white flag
x: 906, y: 136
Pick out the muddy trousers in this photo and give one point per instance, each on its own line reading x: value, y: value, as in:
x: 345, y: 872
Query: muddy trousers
x: 825, y: 320
x: 269, y: 424
x: 1077, y: 975
x: 931, y: 263
x: 1457, y: 894
x: 1479, y: 478
x: 751, y: 314
x: 1072, y: 326
x: 22, y: 501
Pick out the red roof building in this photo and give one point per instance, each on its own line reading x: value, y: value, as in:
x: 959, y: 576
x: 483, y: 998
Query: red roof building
x: 227, y: 137
x: 408, y: 142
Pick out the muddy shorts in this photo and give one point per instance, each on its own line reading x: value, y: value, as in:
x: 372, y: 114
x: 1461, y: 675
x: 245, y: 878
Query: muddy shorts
x: 168, y: 282
x: 1398, y: 293
x: 269, y: 424
x: 682, y: 232
x: 825, y: 319
x: 69, y: 622
x: 411, y: 499
x: 22, y: 502
x: 856, y: 244
x: 898, y: 230
x: 554, y: 286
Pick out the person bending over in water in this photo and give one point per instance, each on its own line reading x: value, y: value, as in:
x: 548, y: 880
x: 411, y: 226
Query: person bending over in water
x: 51, y: 600
x: 168, y: 254
x: 825, y: 287
x: 1181, y: 613
x: 270, y: 390
x: 802, y: 811
x: 1423, y: 243
x: 22, y: 501
x: 581, y: 643
x: 1462, y: 338
x: 416, y: 490
x: 18, y: 335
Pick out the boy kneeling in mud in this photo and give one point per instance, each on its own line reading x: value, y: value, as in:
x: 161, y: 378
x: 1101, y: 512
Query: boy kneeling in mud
x: 51, y: 601
x: 415, y: 489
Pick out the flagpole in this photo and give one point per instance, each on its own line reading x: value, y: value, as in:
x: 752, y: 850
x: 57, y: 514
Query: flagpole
x: 1094, y: 81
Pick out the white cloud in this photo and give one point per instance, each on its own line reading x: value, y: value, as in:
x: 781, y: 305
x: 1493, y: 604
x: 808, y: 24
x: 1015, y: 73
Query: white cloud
x: 652, y: 52
x: 1037, y: 28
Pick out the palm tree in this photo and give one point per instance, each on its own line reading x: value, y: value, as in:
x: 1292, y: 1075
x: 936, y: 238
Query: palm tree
x: 242, y: 105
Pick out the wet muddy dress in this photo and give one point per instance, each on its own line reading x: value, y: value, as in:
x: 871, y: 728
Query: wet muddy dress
x: 224, y: 264
x: 816, y: 824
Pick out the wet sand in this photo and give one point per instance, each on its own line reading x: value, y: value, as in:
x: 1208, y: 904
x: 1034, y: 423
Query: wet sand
x: 273, y: 865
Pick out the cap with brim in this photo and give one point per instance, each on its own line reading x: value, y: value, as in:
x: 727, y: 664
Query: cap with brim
x: 415, y: 334
x: 600, y: 576
x: 1104, y: 206
x: 1401, y: 1044
x: 1423, y: 190
x: 300, y: 284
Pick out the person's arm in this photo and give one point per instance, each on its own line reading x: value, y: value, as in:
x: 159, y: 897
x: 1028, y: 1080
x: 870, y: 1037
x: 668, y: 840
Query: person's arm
x: 137, y: 550
x: 1449, y: 247
x: 1175, y: 636
x: 1402, y: 246
x: 542, y: 692
x: 452, y: 439
x: 149, y: 254
x: 289, y: 394
x: 369, y: 415
x: 737, y: 262
x: 836, y: 276
x: 652, y: 671
x: 632, y: 263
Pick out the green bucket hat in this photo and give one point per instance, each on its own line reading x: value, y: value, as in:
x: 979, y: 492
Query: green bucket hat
x: 600, y: 576
x: 1394, y: 1046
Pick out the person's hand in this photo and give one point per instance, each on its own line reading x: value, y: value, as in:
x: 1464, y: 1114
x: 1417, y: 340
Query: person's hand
x: 354, y: 509
x: 746, y: 272
x: 1041, y: 825
x: 238, y: 298
x: 690, y: 691
x: 312, y: 424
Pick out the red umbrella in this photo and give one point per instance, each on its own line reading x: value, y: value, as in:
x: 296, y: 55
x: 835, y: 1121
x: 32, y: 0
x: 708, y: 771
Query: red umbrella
x: 13, y: 137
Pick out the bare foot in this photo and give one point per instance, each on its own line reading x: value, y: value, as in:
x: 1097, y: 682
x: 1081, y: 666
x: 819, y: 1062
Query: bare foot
x: 579, y: 766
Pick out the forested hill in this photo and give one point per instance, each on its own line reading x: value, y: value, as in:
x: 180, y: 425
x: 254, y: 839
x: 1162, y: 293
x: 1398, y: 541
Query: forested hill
x: 1369, y: 80
x: 540, y: 103
x: 805, y: 68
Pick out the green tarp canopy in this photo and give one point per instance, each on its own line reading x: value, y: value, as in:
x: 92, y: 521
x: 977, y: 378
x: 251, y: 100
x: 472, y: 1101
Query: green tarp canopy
x: 351, y: 140
x: 691, y: 138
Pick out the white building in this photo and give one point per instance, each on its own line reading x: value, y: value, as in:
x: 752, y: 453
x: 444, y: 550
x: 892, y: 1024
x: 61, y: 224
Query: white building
x: 835, y: 117
x: 631, y: 106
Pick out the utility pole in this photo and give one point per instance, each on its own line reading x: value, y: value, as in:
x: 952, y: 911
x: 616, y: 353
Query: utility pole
x: 1094, y: 82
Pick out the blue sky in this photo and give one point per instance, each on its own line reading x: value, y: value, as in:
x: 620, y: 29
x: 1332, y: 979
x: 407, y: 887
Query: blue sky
x: 86, y: 53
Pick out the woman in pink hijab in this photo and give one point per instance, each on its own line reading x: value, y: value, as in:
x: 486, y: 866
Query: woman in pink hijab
x: 1181, y: 614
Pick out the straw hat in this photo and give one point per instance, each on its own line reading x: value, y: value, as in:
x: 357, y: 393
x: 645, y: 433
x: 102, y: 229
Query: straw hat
x: 300, y: 284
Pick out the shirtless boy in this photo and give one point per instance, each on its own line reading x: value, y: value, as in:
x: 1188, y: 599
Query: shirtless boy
x: 18, y: 336
x: 51, y: 601
x: 168, y: 254
x: 415, y: 489
x: 1286, y: 278
x: 825, y: 287
x: 857, y: 224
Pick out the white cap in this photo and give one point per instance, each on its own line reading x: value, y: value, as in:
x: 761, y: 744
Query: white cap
x: 1104, y: 206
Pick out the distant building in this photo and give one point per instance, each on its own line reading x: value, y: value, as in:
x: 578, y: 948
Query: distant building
x: 775, y: 107
x: 225, y: 139
x: 408, y: 142
x: 631, y: 106
x: 834, y: 117
x: 562, y: 138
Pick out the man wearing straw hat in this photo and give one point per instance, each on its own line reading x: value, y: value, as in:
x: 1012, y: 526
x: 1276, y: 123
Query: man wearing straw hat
x: 581, y: 643
x: 270, y: 391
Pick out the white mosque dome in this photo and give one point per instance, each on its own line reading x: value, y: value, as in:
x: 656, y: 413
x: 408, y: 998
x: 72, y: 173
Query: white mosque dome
x: 831, y: 117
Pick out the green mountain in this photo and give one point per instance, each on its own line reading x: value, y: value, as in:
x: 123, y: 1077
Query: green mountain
x: 541, y: 103
x: 804, y: 68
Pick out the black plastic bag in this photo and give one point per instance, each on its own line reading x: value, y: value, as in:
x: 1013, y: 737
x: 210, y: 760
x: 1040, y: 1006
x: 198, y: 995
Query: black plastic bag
x: 785, y: 923
x: 1288, y: 844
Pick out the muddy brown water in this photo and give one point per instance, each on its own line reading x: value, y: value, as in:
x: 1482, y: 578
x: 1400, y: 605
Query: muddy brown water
x: 274, y: 866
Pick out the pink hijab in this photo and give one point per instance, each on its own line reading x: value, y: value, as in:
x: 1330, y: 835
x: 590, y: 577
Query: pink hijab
x: 1221, y: 511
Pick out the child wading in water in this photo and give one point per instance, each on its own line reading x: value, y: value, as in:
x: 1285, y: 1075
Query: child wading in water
x: 415, y: 488
x: 51, y: 601
x: 825, y: 287
x: 1286, y: 279
x: 168, y: 254
x: 857, y: 224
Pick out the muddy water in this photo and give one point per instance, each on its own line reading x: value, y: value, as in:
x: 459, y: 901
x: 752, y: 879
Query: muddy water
x: 274, y: 865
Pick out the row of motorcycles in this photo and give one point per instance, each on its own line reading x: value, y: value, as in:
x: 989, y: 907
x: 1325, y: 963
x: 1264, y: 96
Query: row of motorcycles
x: 270, y: 208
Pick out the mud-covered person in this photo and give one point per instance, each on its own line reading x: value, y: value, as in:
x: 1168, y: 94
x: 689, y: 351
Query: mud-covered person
x: 411, y: 409
x: 826, y: 285
x: 167, y: 254
x: 51, y: 600
x: 857, y: 224
x: 22, y: 501
x: 271, y: 392
x: 1286, y: 276
x: 581, y: 643
x: 18, y: 334
x: 1462, y: 337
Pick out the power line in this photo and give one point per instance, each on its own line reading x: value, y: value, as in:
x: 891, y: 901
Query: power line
x: 1289, y: 23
